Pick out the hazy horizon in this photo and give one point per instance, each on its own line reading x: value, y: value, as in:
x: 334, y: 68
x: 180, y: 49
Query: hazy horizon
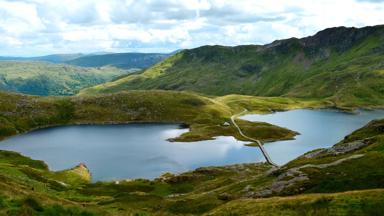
x: 41, y: 27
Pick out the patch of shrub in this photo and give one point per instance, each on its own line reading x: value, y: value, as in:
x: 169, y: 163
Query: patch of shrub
x: 6, y: 128
x: 3, y: 204
x: 193, y: 102
x: 33, y: 203
x: 58, y: 210
x: 66, y: 110
x: 192, y: 206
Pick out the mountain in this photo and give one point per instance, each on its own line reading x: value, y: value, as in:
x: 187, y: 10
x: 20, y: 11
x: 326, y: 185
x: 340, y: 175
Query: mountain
x: 41, y: 78
x: 99, y: 59
x: 343, y: 65
x: 59, y: 74
x: 55, y: 58
x: 119, y: 60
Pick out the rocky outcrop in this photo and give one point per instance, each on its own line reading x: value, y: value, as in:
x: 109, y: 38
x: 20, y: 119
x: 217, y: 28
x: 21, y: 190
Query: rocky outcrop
x: 338, y: 149
x: 82, y: 171
x: 338, y: 38
x: 291, y: 177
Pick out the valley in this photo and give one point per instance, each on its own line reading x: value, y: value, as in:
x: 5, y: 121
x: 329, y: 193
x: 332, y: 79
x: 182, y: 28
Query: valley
x: 67, y: 74
x: 40, y: 78
x: 181, y: 133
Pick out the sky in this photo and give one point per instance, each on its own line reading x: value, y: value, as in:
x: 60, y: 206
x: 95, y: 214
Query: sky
x: 40, y: 27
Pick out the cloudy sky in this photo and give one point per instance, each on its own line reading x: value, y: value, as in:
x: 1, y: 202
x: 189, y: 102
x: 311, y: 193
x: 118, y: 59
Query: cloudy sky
x: 38, y: 27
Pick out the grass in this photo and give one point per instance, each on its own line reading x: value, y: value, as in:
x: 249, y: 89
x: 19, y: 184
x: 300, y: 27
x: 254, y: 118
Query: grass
x: 366, y: 202
x: 267, y: 104
x: 28, y: 188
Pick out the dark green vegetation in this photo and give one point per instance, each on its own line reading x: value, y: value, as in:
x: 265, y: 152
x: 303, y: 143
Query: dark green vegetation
x: 119, y: 60
x: 342, y: 65
x: 39, y: 78
x: 27, y: 187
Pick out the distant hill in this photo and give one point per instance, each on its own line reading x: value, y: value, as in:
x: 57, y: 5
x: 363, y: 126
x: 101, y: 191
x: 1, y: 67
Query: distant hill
x: 41, y: 78
x: 55, y: 58
x: 99, y: 59
x: 119, y: 60
x: 344, y: 65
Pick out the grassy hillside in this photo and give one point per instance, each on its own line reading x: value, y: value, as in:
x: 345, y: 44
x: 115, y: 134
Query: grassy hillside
x: 39, y: 78
x: 366, y: 202
x: 119, y: 60
x: 351, y: 165
x: 341, y: 64
x: 332, y: 181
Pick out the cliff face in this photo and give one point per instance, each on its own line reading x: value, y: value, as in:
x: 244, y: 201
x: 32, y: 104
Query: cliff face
x: 339, y: 38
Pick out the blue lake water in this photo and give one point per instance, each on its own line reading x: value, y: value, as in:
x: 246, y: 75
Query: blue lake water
x: 114, y: 152
x: 317, y: 128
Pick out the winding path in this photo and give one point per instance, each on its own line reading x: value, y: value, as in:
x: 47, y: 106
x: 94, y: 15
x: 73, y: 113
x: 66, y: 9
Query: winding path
x: 265, y: 153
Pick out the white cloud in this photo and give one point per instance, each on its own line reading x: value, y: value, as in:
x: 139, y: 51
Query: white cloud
x: 35, y: 27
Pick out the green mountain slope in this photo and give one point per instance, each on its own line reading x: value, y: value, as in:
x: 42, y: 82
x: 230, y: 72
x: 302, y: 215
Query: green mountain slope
x: 119, y: 60
x: 39, y: 78
x: 344, y: 65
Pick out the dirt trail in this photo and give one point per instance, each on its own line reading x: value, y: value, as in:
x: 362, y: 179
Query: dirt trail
x: 265, y: 153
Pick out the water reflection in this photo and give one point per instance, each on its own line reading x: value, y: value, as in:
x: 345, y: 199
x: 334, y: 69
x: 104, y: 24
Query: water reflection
x: 141, y: 150
x: 317, y: 128
x: 128, y: 151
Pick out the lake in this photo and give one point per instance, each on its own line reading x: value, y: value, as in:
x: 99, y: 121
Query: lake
x: 317, y: 128
x: 114, y: 152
